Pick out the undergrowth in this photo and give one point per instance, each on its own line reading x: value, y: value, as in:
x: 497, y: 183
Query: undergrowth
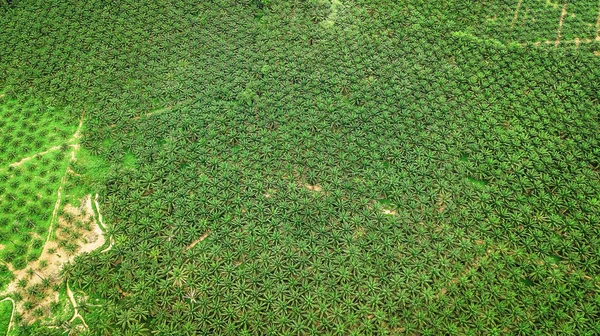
x: 5, y: 312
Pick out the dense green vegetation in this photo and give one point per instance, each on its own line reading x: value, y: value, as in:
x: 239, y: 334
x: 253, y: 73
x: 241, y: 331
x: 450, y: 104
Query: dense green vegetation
x: 327, y: 167
x: 5, y: 312
x: 5, y: 276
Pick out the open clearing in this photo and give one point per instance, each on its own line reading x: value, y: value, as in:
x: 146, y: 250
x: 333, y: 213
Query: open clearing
x: 38, y: 285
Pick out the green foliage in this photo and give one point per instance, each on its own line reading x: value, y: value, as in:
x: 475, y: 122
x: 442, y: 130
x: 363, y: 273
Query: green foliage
x: 5, y: 312
x: 5, y: 276
x: 30, y: 127
x: 28, y: 193
x: 31, y: 166
x: 334, y: 167
x: 574, y: 24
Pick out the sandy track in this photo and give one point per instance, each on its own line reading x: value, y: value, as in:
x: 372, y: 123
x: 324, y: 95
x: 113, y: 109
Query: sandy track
x: 75, y: 310
x: 560, y: 23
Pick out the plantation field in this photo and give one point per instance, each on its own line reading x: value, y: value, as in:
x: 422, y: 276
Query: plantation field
x: 302, y: 167
x: 571, y: 24
x: 33, y: 159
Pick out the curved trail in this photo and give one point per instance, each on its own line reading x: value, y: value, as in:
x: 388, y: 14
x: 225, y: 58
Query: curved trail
x: 74, y: 304
x: 12, y: 313
x: 23, y: 160
x: 63, y: 180
x: 76, y: 313
x: 111, y: 239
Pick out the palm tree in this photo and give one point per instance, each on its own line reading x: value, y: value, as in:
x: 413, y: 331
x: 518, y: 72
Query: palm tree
x: 126, y: 318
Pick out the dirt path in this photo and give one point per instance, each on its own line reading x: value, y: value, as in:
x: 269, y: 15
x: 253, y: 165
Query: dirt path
x: 56, y: 205
x: 197, y: 241
x: 576, y: 41
x: 12, y: 313
x: 512, y: 24
x: 111, y: 239
x: 74, y: 304
x: 77, y: 134
x: 553, y: 4
x: 23, y: 160
x: 158, y: 111
x: 560, y: 23
x: 72, y: 143
x: 96, y: 239
x: 333, y: 14
x: 63, y: 180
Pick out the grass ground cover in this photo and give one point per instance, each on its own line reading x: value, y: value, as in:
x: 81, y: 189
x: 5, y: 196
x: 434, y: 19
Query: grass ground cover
x: 5, y: 313
x: 326, y: 167
x: 30, y: 127
x: 33, y: 159
x: 28, y: 199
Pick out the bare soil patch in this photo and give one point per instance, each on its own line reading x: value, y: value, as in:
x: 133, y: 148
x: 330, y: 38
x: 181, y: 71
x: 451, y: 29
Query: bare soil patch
x: 75, y: 305
x: 23, y: 160
x: 563, y: 14
x: 197, y: 241
x: 315, y: 187
x: 77, y: 231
